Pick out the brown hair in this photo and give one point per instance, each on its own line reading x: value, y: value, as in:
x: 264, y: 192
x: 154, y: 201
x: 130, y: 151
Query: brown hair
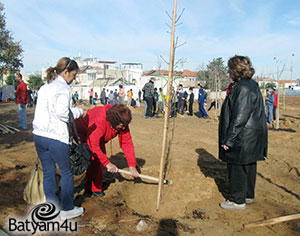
x: 18, y: 74
x: 118, y: 114
x: 64, y: 63
x: 240, y: 67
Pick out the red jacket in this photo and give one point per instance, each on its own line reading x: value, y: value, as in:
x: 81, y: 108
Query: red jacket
x: 21, y: 93
x: 96, y: 131
x: 275, y: 99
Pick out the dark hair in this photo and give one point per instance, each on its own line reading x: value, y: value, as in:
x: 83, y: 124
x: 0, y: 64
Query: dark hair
x: 118, y: 114
x: 18, y: 74
x: 64, y: 63
x: 120, y: 86
x: 191, y: 88
x: 240, y: 67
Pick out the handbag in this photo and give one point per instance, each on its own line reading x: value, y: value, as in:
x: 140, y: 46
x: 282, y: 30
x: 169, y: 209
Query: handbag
x: 34, y: 191
x: 79, y: 153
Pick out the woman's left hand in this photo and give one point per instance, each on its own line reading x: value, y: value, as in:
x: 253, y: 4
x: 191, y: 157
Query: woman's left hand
x: 225, y: 147
x: 134, y: 172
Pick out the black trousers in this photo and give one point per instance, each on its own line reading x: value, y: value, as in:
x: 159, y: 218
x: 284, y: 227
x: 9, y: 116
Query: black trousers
x: 154, y: 107
x: 242, y: 180
x: 149, y: 101
x: 191, y: 108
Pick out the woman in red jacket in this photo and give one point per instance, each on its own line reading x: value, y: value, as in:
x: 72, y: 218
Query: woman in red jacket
x: 100, y: 125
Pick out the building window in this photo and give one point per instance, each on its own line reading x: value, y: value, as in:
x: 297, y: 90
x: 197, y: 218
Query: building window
x: 91, y: 76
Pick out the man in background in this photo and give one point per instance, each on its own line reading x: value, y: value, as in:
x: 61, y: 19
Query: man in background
x: 21, y: 100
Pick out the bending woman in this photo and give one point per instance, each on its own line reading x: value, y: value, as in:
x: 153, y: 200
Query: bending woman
x: 51, y: 136
x: 100, y: 125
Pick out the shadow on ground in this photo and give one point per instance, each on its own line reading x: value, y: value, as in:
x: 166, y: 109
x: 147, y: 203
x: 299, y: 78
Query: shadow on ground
x: 214, y: 168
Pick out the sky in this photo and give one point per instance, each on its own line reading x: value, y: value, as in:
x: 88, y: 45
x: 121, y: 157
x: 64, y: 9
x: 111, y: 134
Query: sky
x: 268, y: 31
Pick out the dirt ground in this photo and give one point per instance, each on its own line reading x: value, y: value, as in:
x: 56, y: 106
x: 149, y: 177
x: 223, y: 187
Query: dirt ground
x: 190, y: 205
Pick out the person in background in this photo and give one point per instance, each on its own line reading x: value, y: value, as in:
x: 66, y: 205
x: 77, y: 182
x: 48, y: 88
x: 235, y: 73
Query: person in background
x: 121, y: 95
x: 191, y: 101
x: 30, y: 98
x: 201, y: 101
x: 95, y: 99
x: 129, y: 97
x: 91, y: 93
x: 269, y: 105
x: 140, y: 95
x: 103, y: 96
x: 76, y: 96
x: 148, y: 90
x: 111, y: 97
x: 181, y: 99
x: 155, y: 100
x: 275, y: 103
x: 137, y: 102
x: 243, y: 137
x: 51, y: 135
x: 116, y: 95
x: 160, y: 101
x: 21, y: 100
x: 99, y: 126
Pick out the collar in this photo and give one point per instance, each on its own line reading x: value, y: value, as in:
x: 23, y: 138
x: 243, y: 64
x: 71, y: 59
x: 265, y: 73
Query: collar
x: 60, y: 78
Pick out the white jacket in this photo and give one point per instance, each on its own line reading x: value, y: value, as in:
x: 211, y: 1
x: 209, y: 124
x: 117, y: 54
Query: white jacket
x: 52, y: 111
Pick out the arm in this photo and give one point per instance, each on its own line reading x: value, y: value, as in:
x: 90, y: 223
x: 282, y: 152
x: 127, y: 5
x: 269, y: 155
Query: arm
x: 241, y: 104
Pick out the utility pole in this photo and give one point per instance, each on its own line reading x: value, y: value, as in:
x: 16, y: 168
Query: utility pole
x: 216, y: 102
x: 167, y: 107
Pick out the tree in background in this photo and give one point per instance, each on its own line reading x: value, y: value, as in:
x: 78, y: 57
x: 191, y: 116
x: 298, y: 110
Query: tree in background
x: 10, y: 80
x: 216, y: 69
x: 11, y: 52
x: 35, y: 82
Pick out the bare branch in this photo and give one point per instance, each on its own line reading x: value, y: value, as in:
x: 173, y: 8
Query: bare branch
x: 169, y: 16
x: 164, y: 60
x: 178, y: 24
x: 169, y: 26
x: 179, y: 15
x: 168, y: 32
x: 180, y: 45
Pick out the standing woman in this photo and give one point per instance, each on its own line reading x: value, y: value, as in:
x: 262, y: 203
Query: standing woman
x: 242, y: 133
x: 51, y: 136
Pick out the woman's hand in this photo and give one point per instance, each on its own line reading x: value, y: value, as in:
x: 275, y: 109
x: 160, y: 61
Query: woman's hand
x: 111, y: 168
x: 84, y: 112
x: 134, y: 172
x: 225, y: 147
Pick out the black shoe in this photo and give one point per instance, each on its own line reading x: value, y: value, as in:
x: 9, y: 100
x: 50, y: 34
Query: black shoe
x: 96, y: 194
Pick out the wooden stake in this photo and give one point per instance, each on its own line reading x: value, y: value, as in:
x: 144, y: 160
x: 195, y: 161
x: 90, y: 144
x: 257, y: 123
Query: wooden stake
x: 111, y: 153
x: 166, y: 118
x: 273, y: 221
x: 13, y: 128
x: 143, y: 176
x: 6, y: 129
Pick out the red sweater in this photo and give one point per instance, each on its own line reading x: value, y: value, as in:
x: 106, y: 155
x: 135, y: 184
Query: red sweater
x: 21, y: 93
x: 96, y: 131
x: 275, y: 99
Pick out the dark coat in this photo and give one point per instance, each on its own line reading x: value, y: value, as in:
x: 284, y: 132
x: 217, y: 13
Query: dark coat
x: 243, y: 125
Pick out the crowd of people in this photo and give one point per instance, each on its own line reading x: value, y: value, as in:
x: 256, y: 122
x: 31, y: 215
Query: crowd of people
x: 242, y: 129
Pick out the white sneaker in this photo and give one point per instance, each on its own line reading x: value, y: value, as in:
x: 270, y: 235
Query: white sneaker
x: 249, y: 200
x: 75, y: 212
x: 228, y: 205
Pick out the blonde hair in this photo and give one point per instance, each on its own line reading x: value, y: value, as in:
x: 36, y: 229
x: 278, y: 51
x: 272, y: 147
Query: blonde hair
x: 240, y: 67
x: 64, y: 63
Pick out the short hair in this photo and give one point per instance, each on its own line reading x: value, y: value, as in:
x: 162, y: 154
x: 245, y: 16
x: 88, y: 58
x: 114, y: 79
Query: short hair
x: 18, y: 74
x: 240, y: 67
x: 191, y: 88
x: 119, y: 114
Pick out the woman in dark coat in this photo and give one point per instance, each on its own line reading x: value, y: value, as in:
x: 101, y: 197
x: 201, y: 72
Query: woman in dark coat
x: 242, y: 133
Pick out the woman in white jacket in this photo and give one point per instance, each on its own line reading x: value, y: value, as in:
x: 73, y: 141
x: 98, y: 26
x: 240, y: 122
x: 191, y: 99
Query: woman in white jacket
x: 51, y: 136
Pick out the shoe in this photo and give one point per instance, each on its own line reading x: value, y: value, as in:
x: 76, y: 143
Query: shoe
x: 249, y: 200
x: 96, y: 194
x: 75, y: 212
x: 228, y: 205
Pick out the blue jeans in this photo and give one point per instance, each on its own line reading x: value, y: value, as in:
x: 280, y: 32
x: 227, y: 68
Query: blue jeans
x: 22, y: 115
x: 269, y: 113
x: 50, y: 152
x: 202, y: 112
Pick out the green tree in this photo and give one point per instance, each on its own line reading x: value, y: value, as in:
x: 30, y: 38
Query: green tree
x: 35, y: 82
x: 270, y: 85
x: 10, y: 80
x: 11, y: 51
x: 216, y: 69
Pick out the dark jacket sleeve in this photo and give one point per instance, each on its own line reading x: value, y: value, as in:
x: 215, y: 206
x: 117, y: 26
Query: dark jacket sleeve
x: 240, y: 106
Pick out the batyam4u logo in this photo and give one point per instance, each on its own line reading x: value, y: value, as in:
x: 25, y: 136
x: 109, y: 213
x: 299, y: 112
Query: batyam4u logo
x: 42, y: 218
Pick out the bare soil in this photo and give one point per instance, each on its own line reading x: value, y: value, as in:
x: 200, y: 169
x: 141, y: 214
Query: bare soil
x: 190, y: 205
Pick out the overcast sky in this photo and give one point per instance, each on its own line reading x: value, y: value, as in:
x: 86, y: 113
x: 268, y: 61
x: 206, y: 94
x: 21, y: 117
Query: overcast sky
x: 135, y: 31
